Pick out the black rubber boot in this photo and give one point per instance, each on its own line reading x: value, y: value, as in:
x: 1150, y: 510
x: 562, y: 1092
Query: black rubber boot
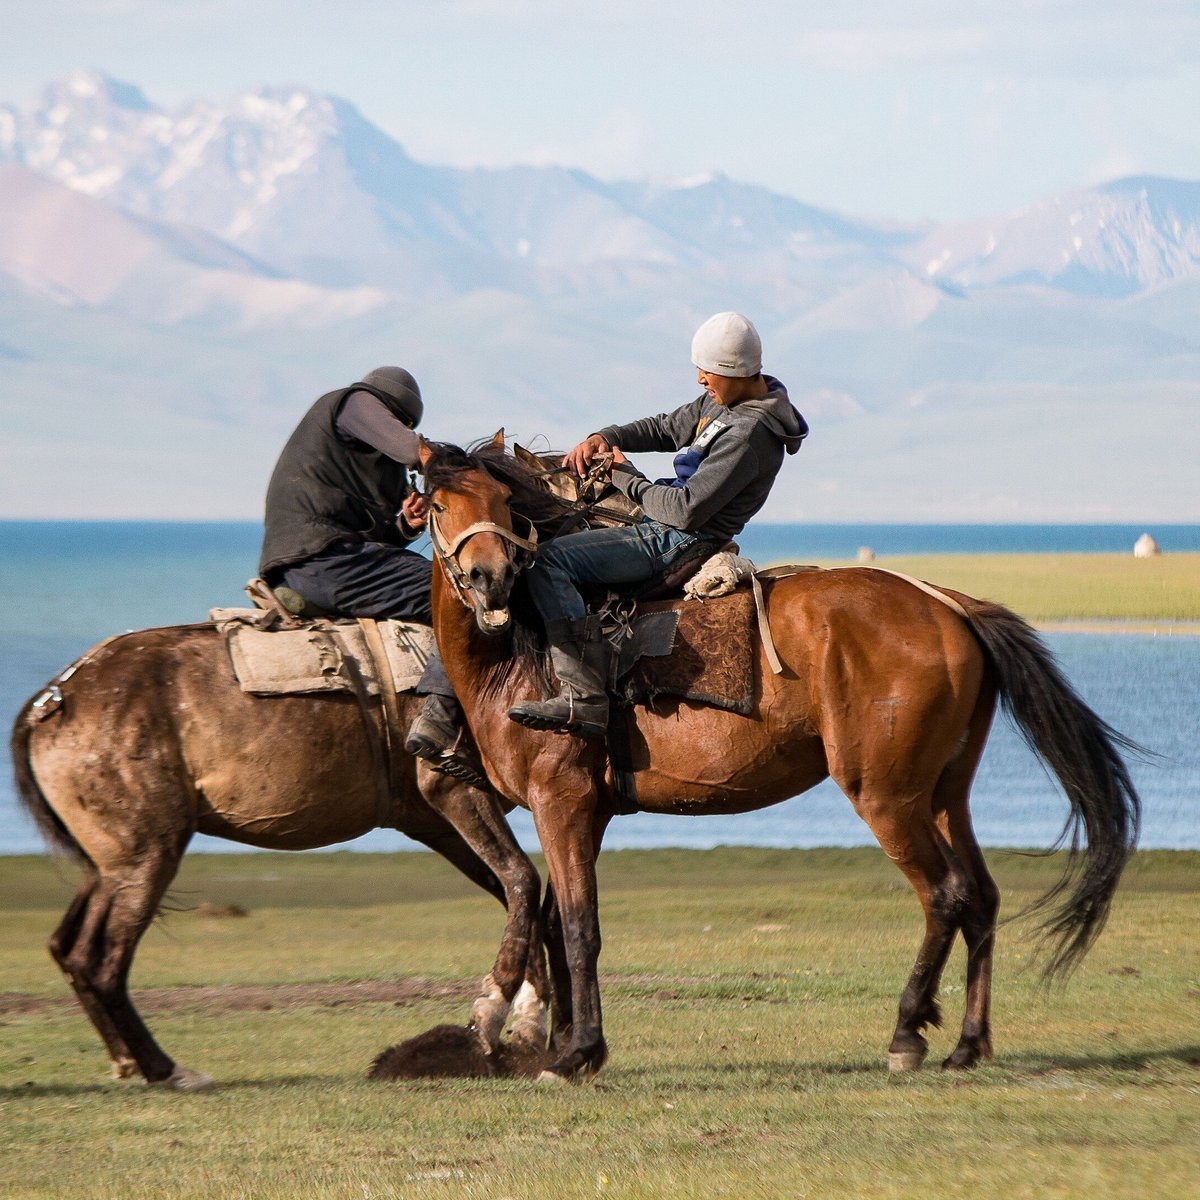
x: 439, y: 736
x: 580, y: 655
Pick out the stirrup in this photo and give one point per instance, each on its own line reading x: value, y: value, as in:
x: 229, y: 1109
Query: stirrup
x: 454, y: 760
x: 533, y: 715
x: 448, y: 763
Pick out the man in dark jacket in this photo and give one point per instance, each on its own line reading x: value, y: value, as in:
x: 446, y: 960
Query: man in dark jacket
x: 731, y: 442
x: 339, y: 516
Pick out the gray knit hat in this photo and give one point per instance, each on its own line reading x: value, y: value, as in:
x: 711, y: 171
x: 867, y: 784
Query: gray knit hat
x: 728, y: 344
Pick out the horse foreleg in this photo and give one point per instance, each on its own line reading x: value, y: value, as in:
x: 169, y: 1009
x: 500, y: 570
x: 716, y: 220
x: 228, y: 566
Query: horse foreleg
x: 570, y: 834
x: 471, y: 832
x: 560, y: 971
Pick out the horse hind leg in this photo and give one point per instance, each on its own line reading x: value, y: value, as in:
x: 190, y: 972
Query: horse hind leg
x: 116, y: 910
x: 909, y: 837
x: 939, y: 889
x: 978, y: 918
x: 979, y: 933
x: 78, y: 927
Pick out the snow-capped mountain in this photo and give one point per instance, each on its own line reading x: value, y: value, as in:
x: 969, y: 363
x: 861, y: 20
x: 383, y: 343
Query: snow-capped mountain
x: 208, y: 271
x: 307, y: 184
x: 81, y: 251
x: 1114, y: 240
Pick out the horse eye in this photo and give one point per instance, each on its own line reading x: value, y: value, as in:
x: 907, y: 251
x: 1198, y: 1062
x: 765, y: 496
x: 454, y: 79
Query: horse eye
x: 438, y: 508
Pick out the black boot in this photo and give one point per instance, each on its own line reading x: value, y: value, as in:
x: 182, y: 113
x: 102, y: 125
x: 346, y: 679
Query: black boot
x: 439, y: 736
x: 580, y: 655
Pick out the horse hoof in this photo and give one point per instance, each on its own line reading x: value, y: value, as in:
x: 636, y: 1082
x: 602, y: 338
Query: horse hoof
x: 966, y: 1064
x: 905, y: 1060
x: 184, y: 1079
x: 962, y: 1060
x: 551, y: 1077
x: 124, y: 1068
x: 488, y: 1014
x: 528, y: 1019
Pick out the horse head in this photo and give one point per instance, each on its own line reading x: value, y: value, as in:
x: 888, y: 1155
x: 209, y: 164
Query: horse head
x: 471, y: 529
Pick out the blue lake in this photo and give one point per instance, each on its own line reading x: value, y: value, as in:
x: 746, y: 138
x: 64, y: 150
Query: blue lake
x: 63, y: 586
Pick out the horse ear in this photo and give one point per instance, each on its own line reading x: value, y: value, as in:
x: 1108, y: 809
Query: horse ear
x: 498, y: 438
x: 424, y: 451
x: 525, y: 456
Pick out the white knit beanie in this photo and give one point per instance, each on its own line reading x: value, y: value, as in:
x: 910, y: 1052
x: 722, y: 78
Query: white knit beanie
x: 728, y: 344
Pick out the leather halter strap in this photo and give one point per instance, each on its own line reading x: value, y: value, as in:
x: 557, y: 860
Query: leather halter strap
x: 447, y: 553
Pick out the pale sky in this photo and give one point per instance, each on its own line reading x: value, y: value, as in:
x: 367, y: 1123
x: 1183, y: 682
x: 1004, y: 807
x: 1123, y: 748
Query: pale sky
x: 914, y: 109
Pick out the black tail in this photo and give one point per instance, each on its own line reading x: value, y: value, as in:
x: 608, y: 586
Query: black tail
x: 29, y: 791
x: 1084, y: 752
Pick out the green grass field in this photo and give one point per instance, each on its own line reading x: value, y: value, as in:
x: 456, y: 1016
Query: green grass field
x: 1066, y: 587
x: 749, y: 1000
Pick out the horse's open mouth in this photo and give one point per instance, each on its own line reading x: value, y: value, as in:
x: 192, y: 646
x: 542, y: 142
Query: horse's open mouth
x: 493, y: 620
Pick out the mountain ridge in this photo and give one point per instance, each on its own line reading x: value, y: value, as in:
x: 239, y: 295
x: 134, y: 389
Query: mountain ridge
x: 220, y: 265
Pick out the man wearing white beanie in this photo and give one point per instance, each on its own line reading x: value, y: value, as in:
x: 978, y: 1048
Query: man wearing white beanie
x: 731, y: 442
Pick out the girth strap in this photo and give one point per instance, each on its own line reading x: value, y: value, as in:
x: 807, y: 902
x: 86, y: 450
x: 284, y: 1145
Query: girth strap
x: 392, y: 734
x: 764, y: 626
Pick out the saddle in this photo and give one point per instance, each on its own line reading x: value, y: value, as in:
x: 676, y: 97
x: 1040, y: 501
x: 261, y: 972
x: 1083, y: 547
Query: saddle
x: 284, y: 646
x: 699, y: 652
x: 276, y: 652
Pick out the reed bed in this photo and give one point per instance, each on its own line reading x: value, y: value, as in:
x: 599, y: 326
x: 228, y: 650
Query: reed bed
x: 1068, y: 587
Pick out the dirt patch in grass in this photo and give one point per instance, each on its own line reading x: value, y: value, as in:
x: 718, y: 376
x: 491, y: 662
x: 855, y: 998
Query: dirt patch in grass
x: 214, y: 1000
x: 255, y: 998
x: 455, y: 1052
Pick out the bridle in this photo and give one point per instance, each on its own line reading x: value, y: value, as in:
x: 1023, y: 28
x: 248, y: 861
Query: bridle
x: 447, y: 552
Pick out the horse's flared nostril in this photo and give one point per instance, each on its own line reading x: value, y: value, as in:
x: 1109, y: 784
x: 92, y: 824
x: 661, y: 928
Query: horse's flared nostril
x: 492, y: 582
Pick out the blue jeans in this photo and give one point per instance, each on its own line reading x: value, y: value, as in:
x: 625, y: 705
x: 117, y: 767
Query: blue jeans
x: 627, y: 554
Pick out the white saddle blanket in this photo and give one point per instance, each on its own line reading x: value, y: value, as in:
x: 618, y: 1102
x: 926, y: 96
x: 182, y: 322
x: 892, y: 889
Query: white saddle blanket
x: 324, y: 656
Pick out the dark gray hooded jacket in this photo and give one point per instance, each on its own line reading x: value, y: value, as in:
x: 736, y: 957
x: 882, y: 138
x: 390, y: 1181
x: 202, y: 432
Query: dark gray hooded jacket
x: 742, y: 450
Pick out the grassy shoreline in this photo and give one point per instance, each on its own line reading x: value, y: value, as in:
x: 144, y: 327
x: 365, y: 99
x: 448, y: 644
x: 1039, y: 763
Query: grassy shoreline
x: 1104, y: 592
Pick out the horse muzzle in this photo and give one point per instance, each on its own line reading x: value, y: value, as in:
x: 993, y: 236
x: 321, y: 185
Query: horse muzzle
x: 492, y: 621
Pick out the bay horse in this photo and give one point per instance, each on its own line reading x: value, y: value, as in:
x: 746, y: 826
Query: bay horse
x: 150, y: 740
x: 887, y: 686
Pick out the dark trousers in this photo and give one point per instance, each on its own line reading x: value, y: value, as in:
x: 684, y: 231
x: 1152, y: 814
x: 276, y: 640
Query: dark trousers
x: 370, y: 579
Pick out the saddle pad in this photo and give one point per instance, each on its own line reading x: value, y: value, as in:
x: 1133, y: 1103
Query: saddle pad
x: 713, y: 656
x: 321, y: 657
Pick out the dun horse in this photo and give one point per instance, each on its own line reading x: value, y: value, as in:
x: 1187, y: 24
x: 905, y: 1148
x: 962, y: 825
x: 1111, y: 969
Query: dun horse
x: 885, y: 687
x: 154, y: 741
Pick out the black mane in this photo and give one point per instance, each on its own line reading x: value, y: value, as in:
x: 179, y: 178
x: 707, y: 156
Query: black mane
x: 446, y: 463
x: 531, y: 498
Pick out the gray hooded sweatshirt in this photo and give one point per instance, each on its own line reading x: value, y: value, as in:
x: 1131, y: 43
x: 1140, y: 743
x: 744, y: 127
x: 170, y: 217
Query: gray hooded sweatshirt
x: 740, y: 449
